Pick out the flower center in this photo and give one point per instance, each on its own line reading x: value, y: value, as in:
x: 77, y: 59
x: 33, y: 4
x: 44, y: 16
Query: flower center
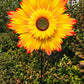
x: 42, y: 23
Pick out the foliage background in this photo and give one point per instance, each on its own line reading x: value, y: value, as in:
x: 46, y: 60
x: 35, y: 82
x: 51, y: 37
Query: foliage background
x: 65, y: 67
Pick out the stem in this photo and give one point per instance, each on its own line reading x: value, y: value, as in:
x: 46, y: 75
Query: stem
x: 41, y: 66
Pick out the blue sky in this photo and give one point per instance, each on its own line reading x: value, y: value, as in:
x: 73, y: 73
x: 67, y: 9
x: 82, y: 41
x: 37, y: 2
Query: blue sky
x: 77, y: 0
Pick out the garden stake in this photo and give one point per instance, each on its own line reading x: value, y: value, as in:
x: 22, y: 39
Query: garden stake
x: 41, y: 66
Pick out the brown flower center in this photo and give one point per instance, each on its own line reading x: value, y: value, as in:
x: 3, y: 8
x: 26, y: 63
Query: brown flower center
x: 42, y: 23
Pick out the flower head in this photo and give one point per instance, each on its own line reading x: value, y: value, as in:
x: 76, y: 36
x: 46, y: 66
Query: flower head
x: 41, y: 24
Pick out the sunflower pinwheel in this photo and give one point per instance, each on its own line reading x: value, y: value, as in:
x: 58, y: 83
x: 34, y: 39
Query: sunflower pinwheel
x: 41, y: 24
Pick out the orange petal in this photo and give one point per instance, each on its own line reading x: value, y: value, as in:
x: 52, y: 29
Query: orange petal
x: 48, y: 52
x: 9, y: 25
x: 28, y: 51
x: 19, y: 44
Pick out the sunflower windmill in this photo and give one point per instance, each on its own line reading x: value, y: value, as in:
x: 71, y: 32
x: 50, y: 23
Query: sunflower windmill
x: 41, y: 24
